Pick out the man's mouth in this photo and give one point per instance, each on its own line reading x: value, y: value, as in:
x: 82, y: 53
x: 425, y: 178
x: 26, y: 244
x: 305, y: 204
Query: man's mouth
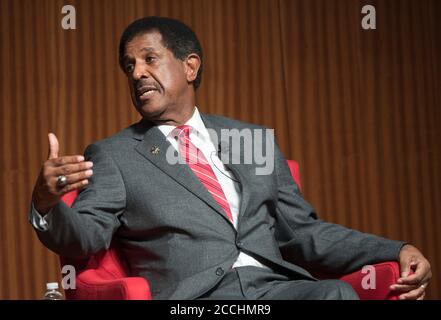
x: 145, y: 92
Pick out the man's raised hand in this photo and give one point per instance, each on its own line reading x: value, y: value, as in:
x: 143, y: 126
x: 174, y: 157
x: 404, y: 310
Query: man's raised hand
x: 46, y: 192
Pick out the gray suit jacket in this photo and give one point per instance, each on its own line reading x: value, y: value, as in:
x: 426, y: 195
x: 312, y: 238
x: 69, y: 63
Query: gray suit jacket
x: 171, y: 231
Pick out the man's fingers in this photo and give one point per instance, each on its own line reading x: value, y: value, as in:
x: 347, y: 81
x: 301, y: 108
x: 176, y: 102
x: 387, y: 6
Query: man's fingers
x: 74, y: 186
x: 413, y: 279
x: 418, y: 277
x: 54, y: 146
x: 68, y: 169
x: 407, y: 267
x: 414, y: 294
x: 405, y: 288
x: 79, y: 176
x: 61, y: 161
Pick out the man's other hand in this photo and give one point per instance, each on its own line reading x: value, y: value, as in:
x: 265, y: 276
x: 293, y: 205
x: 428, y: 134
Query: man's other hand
x: 415, y: 274
x: 47, y: 192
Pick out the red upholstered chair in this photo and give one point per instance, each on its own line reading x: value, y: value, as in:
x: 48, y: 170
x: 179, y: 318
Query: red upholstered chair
x: 103, y: 276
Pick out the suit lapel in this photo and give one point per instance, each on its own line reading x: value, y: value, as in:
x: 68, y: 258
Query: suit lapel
x: 153, y: 146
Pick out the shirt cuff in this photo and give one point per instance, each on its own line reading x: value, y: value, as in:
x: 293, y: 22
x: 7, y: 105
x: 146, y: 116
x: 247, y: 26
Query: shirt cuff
x: 37, y: 220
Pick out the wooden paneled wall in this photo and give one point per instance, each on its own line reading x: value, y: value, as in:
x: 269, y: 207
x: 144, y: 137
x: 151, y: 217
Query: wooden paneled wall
x: 359, y: 109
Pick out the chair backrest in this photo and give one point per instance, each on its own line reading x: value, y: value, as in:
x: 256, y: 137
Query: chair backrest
x: 294, y: 168
x: 106, y: 261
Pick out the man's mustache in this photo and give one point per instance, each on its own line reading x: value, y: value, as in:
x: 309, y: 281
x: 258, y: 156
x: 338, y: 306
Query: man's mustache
x: 144, y: 83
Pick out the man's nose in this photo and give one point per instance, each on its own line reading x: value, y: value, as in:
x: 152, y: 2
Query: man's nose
x: 140, y: 71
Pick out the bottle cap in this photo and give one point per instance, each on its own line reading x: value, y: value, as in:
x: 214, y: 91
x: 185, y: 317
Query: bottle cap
x: 52, y: 285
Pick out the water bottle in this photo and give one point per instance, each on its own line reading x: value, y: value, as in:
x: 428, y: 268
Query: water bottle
x: 52, y: 292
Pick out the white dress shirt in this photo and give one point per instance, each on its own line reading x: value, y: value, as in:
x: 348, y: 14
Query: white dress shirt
x: 200, y: 137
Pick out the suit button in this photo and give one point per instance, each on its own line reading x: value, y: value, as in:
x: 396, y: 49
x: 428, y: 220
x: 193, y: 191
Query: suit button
x: 219, y: 271
x: 239, y: 244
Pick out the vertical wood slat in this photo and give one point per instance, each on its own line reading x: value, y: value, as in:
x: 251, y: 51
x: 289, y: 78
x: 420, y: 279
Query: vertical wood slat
x: 360, y: 110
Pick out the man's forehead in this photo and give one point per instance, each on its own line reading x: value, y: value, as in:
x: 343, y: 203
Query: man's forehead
x: 145, y: 42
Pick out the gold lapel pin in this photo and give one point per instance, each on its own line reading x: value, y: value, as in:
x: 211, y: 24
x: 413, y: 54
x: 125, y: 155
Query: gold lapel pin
x: 155, y: 150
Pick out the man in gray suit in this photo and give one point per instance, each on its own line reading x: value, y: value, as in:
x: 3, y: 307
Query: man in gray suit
x: 200, y: 228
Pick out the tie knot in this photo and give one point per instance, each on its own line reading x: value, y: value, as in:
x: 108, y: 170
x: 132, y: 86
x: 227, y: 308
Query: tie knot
x: 182, y: 131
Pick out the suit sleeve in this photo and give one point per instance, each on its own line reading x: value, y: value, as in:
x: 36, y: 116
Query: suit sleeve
x: 316, y: 245
x: 88, y: 226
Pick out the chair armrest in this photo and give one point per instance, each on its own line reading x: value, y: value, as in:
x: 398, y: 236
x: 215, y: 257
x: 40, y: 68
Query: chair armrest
x: 94, y: 285
x: 386, y: 274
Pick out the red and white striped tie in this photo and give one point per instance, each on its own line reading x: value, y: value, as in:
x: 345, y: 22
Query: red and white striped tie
x: 201, y: 168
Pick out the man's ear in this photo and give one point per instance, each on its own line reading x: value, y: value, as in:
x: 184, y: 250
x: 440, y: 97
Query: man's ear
x: 192, y: 64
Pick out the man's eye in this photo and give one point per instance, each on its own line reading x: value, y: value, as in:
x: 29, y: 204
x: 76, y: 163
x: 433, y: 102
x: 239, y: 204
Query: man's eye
x: 149, y: 59
x: 129, y: 68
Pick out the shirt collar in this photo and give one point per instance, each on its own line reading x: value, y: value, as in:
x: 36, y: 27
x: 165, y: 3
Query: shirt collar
x: 195, y: 122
